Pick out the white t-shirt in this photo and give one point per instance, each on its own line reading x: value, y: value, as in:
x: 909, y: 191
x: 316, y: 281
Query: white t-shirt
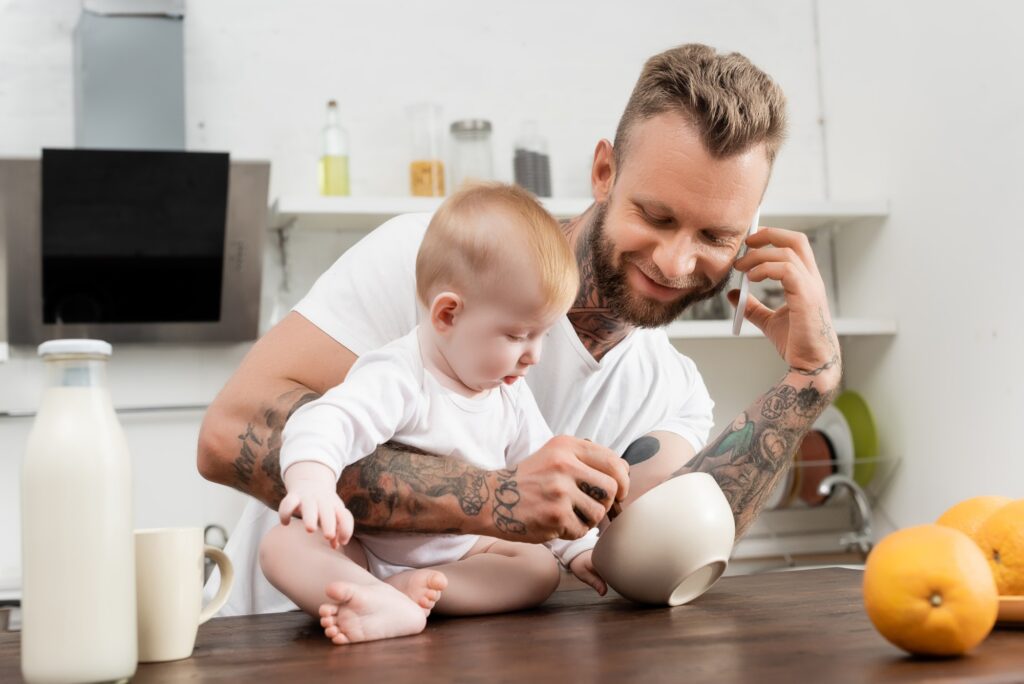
x: 389, y: 394
x: 368, y: 298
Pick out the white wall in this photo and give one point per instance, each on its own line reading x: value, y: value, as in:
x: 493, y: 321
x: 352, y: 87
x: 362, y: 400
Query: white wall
x: 257, y: 76
x: 925, y: 106
x: 905, y: 121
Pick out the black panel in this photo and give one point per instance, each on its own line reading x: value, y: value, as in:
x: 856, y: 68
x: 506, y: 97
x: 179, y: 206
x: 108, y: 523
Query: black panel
x: 133, y: 236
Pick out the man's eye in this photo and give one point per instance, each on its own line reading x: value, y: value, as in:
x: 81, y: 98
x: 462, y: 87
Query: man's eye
x: 516, y: 338
x: 657, y: 220
x: 717, y: 239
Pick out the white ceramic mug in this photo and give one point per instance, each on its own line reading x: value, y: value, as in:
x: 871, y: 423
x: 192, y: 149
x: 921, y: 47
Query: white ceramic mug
x: 671, y: 544
x: 169, y: 586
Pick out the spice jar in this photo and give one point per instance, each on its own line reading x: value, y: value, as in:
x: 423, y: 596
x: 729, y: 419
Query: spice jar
x: 426, y: 170
x: 471, y: 158
x: 531, y: 164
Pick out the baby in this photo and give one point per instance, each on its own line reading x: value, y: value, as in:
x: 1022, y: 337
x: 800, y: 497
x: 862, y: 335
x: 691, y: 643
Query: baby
x: 493, y: 273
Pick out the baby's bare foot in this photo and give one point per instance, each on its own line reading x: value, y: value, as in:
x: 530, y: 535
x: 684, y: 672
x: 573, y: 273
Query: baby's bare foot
x: 423, y: 586
x: 365, y: 612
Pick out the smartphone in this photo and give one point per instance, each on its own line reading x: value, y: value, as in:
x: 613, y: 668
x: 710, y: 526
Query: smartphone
x: 741, y: 304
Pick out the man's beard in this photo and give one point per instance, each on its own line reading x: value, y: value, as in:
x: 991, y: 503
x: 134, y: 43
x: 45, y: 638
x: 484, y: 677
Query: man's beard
x: 615, y: 293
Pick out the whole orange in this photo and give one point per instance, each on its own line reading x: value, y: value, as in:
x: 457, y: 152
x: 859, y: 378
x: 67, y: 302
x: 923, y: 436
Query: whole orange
x: 968, y: 515
x: 929, y: 590
x: 1001, y: 538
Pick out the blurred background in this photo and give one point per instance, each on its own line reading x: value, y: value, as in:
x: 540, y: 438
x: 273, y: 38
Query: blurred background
x: 903, y: 162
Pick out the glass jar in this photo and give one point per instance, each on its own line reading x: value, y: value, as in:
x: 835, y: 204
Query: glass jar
x: 531, y: 164
x: 426, y: 170
x: 471, y: 158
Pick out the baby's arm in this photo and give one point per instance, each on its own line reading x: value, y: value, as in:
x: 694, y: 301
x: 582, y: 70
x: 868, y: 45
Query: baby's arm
x: 377, y: 399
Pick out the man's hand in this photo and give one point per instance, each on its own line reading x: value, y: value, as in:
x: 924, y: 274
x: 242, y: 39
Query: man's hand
x: 801, y: 329
x: 562, y: 490
x: 583, y: 567
x: 311, y: 492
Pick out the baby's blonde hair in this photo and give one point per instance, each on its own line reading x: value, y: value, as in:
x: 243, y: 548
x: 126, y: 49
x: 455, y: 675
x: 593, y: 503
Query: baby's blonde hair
x: 466, y: 245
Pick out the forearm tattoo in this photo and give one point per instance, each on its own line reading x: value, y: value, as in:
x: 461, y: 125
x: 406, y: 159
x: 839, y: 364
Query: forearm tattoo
x: 506, y: 496
x: 749, y: 458
x: 828, y: 333
x: 399, y: 489
x: 258, y: 466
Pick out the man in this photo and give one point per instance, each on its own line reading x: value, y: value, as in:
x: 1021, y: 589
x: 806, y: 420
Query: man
x: 672, y: 201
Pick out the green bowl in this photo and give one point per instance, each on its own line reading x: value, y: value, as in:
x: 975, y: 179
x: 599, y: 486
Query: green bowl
x: 865, y: 437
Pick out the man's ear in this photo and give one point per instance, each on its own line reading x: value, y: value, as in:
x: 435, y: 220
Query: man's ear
x: 602, y: 173
x: 445, y: 308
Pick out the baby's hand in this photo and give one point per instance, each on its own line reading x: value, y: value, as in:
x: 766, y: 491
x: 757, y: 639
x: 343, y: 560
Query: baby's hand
x: 582, y: 567
x: 312, y: 492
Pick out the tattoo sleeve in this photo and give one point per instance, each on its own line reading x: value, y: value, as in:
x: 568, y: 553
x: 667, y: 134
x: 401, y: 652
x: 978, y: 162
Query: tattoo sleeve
x: 396, y: 488
x: 400, y: 489
x: 749, y: 458
x: 257, y: 468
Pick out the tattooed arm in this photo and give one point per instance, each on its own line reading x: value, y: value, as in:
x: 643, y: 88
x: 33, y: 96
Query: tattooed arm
x: 394, y: 489
x: 751, y: 455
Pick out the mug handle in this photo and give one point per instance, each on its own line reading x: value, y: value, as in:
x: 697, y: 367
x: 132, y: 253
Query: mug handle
x: 227, y: 578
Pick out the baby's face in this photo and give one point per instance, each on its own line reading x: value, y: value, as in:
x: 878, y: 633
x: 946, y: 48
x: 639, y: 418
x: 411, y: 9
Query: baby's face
x: 494, y: 343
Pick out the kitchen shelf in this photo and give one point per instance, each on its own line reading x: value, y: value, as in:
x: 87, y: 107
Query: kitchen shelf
x: 690, y: 330
x: 4, y: 352
x: 362, y: 214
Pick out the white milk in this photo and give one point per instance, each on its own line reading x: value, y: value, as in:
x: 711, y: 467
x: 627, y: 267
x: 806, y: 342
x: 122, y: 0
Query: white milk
x: 78, y: 595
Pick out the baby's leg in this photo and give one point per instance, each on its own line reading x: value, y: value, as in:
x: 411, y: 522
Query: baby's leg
x: 352, y: 604
x: 495, y: 576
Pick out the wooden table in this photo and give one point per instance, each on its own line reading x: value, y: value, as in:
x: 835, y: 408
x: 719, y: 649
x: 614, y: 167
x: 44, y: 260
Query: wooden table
x: 806, y: 626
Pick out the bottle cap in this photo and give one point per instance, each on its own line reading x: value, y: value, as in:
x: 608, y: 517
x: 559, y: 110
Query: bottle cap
x: 471, y: 126
x: 67, y: 347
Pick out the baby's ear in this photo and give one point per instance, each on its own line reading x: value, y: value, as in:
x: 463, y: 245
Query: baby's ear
x: 445, y: 308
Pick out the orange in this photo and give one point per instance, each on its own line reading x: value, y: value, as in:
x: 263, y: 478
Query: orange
x: 929, y: 590
x: 1001, y: 538
x: 968, y: 515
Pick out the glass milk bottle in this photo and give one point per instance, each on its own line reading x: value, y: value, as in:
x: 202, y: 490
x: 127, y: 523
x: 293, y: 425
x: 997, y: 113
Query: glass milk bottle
x: 78, y: 566
x: 334, y: 157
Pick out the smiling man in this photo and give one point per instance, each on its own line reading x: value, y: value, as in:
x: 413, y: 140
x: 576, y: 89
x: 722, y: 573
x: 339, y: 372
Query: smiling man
x: 673, y: 197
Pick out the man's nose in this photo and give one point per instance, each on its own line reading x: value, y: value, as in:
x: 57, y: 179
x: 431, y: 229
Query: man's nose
x: 676, y: 256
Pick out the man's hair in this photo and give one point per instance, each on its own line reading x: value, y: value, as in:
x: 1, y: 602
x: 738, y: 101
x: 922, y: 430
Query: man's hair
x: 476, y: 233
x: 732, y: 104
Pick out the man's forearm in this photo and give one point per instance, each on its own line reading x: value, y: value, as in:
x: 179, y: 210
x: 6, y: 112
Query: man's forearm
x: 395, y: 489
x: 398, y: 489
x: 750, y: 457
x: 253, y: 466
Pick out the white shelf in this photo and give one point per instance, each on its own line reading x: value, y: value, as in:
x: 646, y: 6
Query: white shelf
x: 362, y: 214
x: 4, y: 351
x: 689, y: 330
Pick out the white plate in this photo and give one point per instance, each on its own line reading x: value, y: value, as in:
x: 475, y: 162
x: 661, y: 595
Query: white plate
x: 837, y: 430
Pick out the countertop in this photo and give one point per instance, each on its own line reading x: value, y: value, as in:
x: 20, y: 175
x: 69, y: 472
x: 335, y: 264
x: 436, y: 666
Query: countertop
x: 806, y: 626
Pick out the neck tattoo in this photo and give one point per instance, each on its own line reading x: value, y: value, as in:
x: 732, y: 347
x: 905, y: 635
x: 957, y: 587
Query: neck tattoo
x: 596, y: 325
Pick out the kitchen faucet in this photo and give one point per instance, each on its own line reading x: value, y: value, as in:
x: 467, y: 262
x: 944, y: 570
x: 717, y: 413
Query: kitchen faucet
x: 860, y: 512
